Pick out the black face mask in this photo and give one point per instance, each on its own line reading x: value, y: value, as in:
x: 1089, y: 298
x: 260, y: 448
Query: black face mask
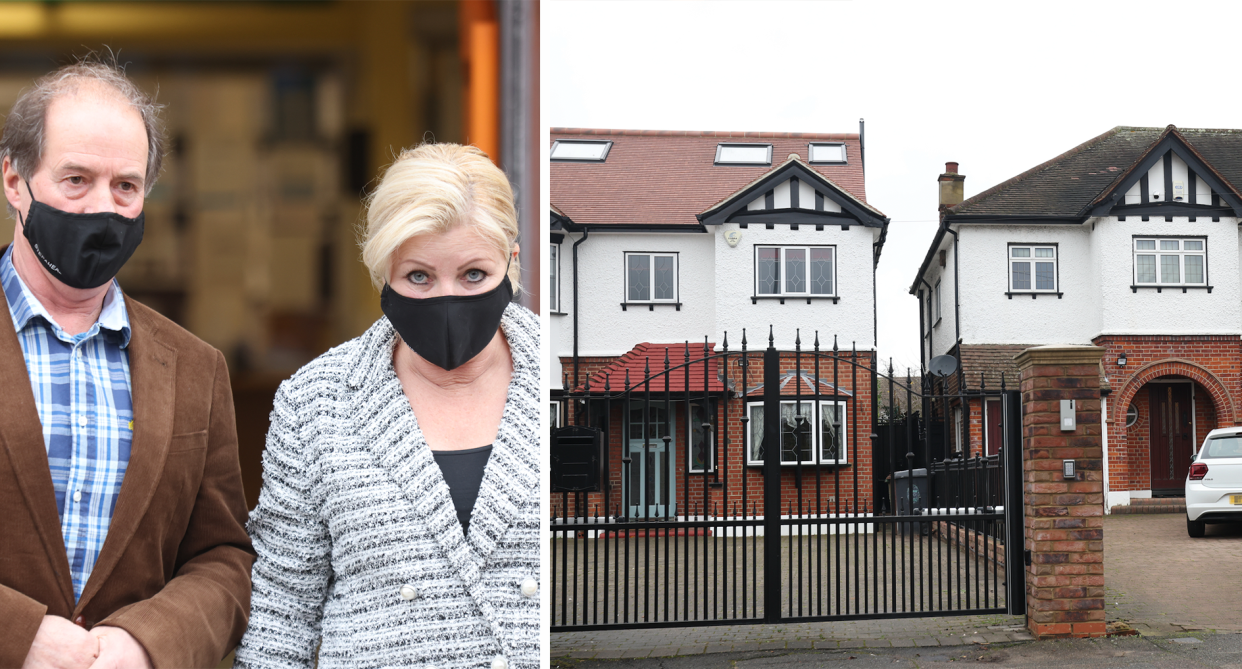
x: 81, y: 250
x: 447, y: 331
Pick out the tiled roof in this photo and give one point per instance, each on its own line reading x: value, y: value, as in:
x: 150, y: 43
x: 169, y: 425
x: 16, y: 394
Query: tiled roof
x: 1068, y: 183
x: 667, y: 177
x: 651, y: 357
x: 983, y: 365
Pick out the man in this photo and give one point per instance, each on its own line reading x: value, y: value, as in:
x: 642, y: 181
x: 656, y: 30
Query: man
x: 122, y: 518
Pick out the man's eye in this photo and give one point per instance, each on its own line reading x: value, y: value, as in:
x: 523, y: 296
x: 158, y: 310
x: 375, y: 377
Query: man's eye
x: 76, y: 181
x: 475, y: 275
x: 127, y: 186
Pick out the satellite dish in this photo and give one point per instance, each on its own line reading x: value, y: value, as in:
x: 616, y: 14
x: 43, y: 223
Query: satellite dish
x: 942, y: 365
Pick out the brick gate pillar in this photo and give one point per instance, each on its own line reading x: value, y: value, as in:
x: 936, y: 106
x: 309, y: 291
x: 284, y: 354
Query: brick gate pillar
x: 1063, y: 518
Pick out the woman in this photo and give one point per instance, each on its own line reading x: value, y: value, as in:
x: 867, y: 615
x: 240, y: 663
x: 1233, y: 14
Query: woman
x: 397, y: 525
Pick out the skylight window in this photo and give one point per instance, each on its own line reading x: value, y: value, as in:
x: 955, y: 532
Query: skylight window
x: 743, y: 154
x: 827, y: 153
x: 580, y: 150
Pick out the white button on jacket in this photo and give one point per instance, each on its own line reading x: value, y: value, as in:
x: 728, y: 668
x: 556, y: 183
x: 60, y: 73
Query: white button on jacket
x: 530, y: 587
x: 499, y: 662
x: 408, y: 592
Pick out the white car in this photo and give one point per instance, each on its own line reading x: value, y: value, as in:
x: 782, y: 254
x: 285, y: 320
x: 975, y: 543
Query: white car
x: 1214, y: 482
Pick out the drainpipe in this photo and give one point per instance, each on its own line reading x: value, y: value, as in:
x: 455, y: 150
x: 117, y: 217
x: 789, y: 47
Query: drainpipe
x: 922, y: 353
x: 1104, y: 432
x: 957, y: 304
x: 585, y: 232
x: 931, y: 350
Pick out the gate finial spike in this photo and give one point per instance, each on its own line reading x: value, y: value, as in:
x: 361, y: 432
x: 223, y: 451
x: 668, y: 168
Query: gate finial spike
x: 725, y: 342
x: 627, y: 379
x: 890, y: 367
x: 817, y: 340
x: 1002, y: 382
x: 798, y: 339
x: 771, y: 336
x: 743, y: 339
x: 983, y: 383
x: 835, y: 349
x: 607, y: 387
x: 666, y: 358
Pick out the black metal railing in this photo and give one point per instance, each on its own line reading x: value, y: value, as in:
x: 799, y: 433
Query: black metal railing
x: 764, y: 509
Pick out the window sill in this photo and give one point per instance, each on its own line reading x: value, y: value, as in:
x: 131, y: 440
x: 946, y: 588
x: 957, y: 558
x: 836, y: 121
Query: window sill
x: 558, y: 313
x: 1033, y: 294
x: 757, y: 465
x: 650, y: 305
x: 754, y: 299
x: 1160, y: 289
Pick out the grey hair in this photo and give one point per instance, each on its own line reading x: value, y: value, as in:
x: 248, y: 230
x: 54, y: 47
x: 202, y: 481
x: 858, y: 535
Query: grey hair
x: 25, y: 126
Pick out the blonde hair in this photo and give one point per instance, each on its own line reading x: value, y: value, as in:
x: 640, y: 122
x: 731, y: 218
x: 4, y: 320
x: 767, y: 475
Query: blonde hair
x: 434, y: 188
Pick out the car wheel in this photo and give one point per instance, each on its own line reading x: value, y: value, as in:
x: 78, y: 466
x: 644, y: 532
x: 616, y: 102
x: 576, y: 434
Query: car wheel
x: 1195, y: 528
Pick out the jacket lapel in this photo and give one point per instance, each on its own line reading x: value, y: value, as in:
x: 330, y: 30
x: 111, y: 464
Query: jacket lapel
x: 152, y: 368
x: 511, y: 476
x: 389, y: 425
x: 22, y: 435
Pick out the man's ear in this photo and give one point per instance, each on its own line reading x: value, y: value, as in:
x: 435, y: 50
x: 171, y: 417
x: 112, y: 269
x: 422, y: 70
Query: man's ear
x: 12, y: 184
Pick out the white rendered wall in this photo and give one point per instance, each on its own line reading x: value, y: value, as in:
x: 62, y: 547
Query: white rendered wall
x: 1169, y: 312
x: 603, y: 328
x: 943, y: 330
x: 991, y: 317
x: 851, y: 318
x: 560, y: 327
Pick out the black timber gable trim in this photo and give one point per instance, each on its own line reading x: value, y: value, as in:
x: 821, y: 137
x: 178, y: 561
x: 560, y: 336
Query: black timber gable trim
x: 730, y: 210
x: 1172, y: 143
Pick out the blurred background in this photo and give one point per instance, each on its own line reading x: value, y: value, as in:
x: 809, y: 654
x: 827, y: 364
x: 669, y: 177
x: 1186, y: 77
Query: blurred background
x: 280, y: 116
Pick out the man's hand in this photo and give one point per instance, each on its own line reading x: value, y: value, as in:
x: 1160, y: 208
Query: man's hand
x: 119, y: 650
x: 59, y: 644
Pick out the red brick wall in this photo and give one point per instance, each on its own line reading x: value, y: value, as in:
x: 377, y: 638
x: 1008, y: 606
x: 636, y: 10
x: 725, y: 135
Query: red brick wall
x: 1063, y: 519
x: 742, y: 484
x: 1213, y: 362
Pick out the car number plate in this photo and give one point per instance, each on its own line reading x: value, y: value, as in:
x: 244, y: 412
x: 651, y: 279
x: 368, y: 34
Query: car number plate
x: 1235, y: 499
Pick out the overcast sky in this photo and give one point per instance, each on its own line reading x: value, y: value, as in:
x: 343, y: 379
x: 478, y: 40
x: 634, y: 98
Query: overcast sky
x: 998, y: 87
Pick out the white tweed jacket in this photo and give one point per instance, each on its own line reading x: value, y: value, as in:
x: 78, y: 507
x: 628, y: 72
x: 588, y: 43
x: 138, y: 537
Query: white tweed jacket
x: 354, y: 509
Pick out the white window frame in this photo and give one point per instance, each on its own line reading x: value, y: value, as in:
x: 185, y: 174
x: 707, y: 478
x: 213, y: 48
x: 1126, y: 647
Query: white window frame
x: 605, y: 143
x: 1031, y: 259
x: 554, y: 281
x: 781, y: 289
x: 810, y: 153
x: 651, y: 299
x: 753, y: 443
x: 748, y: 145
x: 554, y: 415
x: 1159, y: 253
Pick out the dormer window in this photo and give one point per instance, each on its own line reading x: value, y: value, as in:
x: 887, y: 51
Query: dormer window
x: 743, y: 154
x: 580, y: 150
x: 827, y: 153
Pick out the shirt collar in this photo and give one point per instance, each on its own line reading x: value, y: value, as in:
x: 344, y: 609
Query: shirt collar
x: 23, y: 305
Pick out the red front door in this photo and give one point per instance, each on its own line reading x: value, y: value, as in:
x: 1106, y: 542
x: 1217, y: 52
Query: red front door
x: 1172, y: 433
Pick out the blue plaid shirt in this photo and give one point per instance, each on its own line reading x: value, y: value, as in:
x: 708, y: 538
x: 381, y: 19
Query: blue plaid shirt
x: 82, y: 390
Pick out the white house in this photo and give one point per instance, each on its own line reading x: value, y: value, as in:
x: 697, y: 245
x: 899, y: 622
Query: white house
x: 1129, y: 241
x: 663, y: 238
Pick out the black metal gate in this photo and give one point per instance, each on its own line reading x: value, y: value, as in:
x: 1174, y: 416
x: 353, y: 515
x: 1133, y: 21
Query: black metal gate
x: 737, y: 487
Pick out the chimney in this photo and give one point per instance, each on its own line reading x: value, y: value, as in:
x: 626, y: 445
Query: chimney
x: 951, y: 186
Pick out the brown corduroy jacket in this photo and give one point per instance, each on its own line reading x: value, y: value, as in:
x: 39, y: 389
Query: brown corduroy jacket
x: 174, y: 570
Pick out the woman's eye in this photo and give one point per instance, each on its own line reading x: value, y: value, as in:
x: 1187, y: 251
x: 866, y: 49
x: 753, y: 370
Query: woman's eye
x: 418, y: 277
x: 475, y: 275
